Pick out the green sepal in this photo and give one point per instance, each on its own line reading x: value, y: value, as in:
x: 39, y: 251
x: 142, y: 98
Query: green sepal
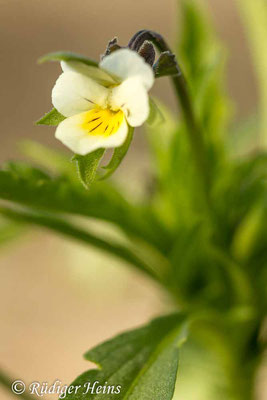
x: 87, y: 166
x: 166, y: 65
x: 52, y: 118
x: 67, y: 56
x: 118, y: 155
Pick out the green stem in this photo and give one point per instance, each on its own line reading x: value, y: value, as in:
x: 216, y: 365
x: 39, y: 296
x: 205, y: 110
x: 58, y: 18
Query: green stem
x: 194, y: 132
x: 238, y: 278
x: 67, y: 229
x: 240, y: 369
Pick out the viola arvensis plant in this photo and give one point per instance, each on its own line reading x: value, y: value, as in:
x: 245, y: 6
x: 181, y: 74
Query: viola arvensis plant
x: 100, y: 103
x: 97, y: 105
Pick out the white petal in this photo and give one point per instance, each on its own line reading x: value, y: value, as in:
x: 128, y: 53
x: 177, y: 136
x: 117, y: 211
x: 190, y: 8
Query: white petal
x: 72, y: 135
x: 95, y: 73
x: 126, y: 63
x: 74, y: 93
x: 131, y: 97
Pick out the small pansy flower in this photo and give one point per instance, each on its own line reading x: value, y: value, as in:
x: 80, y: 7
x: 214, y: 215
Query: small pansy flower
x: 100, y: 103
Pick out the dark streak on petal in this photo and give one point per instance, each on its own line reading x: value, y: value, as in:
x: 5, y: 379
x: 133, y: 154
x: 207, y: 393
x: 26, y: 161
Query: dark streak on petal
x: 90, y: 101
x: 96, y: 127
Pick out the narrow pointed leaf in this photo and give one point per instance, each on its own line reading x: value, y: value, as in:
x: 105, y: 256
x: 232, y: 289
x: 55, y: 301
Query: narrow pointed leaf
x: 118, y: 155
x: 52, y: 118
x: 67, y: 56
x: 87, y: 166
x: 139, y: 364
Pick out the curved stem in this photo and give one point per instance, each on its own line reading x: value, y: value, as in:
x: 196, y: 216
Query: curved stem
x: 193, y: 129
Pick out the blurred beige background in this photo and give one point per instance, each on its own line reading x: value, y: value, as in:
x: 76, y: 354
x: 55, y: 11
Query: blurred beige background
x: 59, y: 298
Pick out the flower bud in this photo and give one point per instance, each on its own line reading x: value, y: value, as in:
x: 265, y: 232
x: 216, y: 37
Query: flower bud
x: 147, y: 51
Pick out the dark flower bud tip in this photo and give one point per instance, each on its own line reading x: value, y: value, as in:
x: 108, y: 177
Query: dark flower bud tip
x: 147, y: 51
x: 112, y: 46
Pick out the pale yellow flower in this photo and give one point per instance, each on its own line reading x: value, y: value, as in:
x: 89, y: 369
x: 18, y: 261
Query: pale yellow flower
x: 101, y: 103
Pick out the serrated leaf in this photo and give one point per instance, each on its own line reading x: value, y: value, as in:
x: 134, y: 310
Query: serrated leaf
x: 67, y: 56
x: 140, y: 364
x: 118, y: 155
x: 87, y: 166
x: 103, y: 201
x: 52, y: 118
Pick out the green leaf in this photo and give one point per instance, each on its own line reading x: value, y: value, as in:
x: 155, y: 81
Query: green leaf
x: 203, y: 59
x: 52, y: 160
x: 248, y: 233
x: 25, y: 171
x: 87, y: 166
x: 141, y: 364
x: 72, y: 231
x: 118, y: 155
x: 254, y: 14
x: 52, y: 118
x: 242, y: 136
x: 9, y: 230
x: 67, y: 56
x: 103, y: 201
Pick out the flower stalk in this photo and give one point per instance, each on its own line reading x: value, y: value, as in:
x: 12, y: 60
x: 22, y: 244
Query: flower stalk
x: 194, y: 132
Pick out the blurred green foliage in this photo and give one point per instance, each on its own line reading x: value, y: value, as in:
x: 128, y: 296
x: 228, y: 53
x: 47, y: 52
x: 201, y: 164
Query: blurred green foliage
x: 254, y: 14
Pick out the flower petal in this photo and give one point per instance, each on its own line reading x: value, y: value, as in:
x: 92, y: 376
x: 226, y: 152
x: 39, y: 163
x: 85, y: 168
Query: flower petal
x: 126, y: 63
x: 97, y: 74
x: 131, y: 97
x: 74, y: 93
x: 73, y: 132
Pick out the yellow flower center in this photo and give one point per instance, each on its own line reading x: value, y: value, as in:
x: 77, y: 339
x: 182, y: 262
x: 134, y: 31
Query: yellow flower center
x: 104, y: 122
